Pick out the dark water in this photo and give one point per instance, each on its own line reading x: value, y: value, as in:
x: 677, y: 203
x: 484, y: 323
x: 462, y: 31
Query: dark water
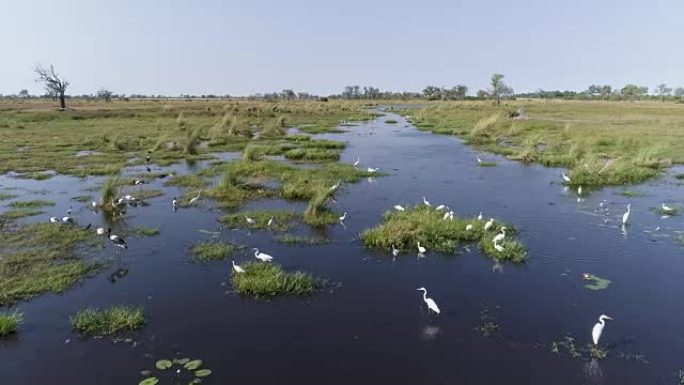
x: 374, y: 327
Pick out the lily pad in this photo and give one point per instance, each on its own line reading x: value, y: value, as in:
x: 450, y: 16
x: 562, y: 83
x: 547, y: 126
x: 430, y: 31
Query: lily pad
x: 202, y: 372
x: 194, y: 364
x: 149, y: 381
x: 597, y: 283
x: 163, y: 364
x: 181, y: 361
x: 195, y: 381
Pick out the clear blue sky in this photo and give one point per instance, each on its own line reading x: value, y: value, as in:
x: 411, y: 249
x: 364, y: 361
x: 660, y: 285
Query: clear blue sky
x: 242, y: 47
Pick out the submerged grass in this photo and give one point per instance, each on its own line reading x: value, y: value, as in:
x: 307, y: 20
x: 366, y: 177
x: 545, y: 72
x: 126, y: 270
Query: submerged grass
x: 281, y: 220
x: 212, y: 251
x: 144, y: 231
x: 112, y: 320
x: 6, y: 196
x: 293, y: 240
x: 31, y: 204
x: 404, y: 229
x: 262, y: 279
x: 19, y: 213
x: 9, y: 323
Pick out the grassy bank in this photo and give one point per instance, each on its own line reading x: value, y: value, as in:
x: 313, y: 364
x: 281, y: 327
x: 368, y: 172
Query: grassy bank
x: 112, y: 320
x: 602, y: 143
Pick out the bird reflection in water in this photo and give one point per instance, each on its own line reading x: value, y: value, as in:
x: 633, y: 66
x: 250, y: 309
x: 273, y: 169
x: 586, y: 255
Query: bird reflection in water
x: 497, y: 268
x: 593, y: 374
x: 430, y: 332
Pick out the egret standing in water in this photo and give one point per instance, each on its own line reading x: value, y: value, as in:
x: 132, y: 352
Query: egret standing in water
x: 666, y: 208
x: 625, y: 216
x: 343, y: 217
x: 426, y: 202
x: 421, y: 249
x: 579, y: 190
x: 431, y: 304
x: 598, y: 328
x: 262, y: 256
x: 489, y: 224
x: 174, y: 203
x: 395, y: 251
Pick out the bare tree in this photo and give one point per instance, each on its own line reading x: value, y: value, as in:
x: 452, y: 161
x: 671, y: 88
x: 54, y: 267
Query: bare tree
x: 54, y: 84
x: 105, y: 94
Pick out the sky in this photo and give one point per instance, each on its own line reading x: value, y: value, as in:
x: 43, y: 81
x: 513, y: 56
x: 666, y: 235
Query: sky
x: 198, y: 47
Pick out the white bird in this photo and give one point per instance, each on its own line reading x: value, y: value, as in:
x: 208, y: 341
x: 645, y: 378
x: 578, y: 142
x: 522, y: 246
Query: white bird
x: 399, y: 208
x: 489, y: 224
x: 579, y: 190
x: 478, y: 159
x: 598, y: 328
x: 357, y: 161
x: 343, y: 217
x: 566, y: 178
x: 117, y: 240
x: 451, y: 215
x: 249, y: 220
x: 371, y: 169
x: 54, y: 220
x: 498, y: 247
x: 237, y: 268
x: 174, y: 203
x: 100, y: 231
x: 469, y: 227
x: 625, y: 216
x: 395, y: 251
x: 421, y: 249
x: 193, y: 200
x: 270, y: 222
x: 94, y: 204
x: 446, y: 216
x: 426, y: 202
x: 67, y: 219
x: 479, y: 216
x: 440, y: 207
x: 262, y: 256
x: 335, y: 186
x: 666, y: 208
x: 499, y: 237
x: 129, y: 198
x: 431, y: 304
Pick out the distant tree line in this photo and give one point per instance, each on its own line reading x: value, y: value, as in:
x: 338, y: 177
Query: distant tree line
x: 630, y: 92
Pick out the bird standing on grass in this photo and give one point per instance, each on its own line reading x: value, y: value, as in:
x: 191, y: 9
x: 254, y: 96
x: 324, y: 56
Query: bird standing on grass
x: 426, y: 202
x: 357, y: 161
x: 249, y: 220
x: 262, y: 256
x: 500, y: 237
x: 598, y: 328
x: 399, y: 208
x: 237, y: 268
x: 195, y: 199
x: 489, y: 224
x: 431, y: 304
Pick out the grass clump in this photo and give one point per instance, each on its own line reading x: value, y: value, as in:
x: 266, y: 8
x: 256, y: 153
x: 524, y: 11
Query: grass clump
x: 404, y: 229
x: 391, y: 121
x: 19, y: 213
x: 144, y: 231
x: 630, y: 193
x: 317, y: 214
x: 294, y: 240
x: 110, y: 193
x: 212, y: 251
x: 312, y: 154
x: 281, y: 220
x: 31, y: 204
x: 486, y: 164
x: 112, y: 320
x: 5, y: 196
x: 81, y: 198
x: 9, y: 323
x: 190, y: 180
x: 262, y: 279
x: 677, y: 176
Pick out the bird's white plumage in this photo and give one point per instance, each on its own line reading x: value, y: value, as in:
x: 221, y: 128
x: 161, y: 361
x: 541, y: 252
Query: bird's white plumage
x: 426, y: 202
x: 54, y: 220
x: 445, y: 216
x: 343, y: 217
x: 666, y: 207
x: 270, y: 222
x: 249, y: 220
x: 371, y: 169
x: 479, y: 216
x: 440, y: 207
x: 489, y: 224
x: 625, y: 216
x: 262, y: 256
x: 500, y: 237
x: 395, y: 251
x: 498, y: 247
x: 399, y: 208
x: 431, y: 304
x: 469, y: 227
x: 598, y: 328
x: 195, y: 199
x: 579, y: 190
x: 357, y: 161
x: 237, y: 268
x: 566, y: 178
x: 100, y: 231
x: 421, y: 249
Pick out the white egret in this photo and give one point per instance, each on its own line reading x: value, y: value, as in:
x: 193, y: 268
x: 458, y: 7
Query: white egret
x: 451, y: 215
x: 426, y: 202
x: 249, y: 220
x: 395, y: 251
x: 440, y: 207
x: 565, y: 178
x: 357, y: 161
x: 579, y: 190
x: 237, y: 268
x: 94, y: 204
x: 489, y: 224
x: 421, y: 249
x: 666, y: 208
x: 262, y: 256
x: 129, y: 198
x: 116, y: 240
x: 598, y: 328
x: 500, y: 237
x: 399, y: 208
x: 195, y: 199
x: 343, y: 217
x: 431, y: 304
x: 54, y: 220
x: 100, y: 231
x: 371, y: 169
x: 479, y: 216
x: 336, y: 185
x: 270, y: 222
x: 498, y: 247
x: 625, y: 216
x: 478, y: 159
x: 174, y: 203
x: 446, y: 216
x: 469, y: 227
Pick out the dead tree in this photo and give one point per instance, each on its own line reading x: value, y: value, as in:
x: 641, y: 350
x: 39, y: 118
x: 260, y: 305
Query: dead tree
x: 54, y: 85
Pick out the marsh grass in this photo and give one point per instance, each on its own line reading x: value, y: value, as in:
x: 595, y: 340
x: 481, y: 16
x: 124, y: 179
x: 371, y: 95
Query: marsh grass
x: 296, y: 240
x: 9, y: 323
x: 42, y: 257
x: 404, y: 229
x: 19, y: 213
x: 206, y: 251
x: 189, y: 180
x: 317, y: 214
x: 109, y: 194
x: 144, y: 231
x: 282, y: 219
x: 262, y: 279
x: 5, y: 196
x: 109, y: 321
x: 81, y: 198
x: 630, y: 193
x: 486, y: 164
x: 312, y: 154
x: 31, y: 204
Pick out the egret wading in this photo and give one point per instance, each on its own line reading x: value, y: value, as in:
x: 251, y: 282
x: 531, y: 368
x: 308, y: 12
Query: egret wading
x: 431, y: 304
x: 625, y: 216
x: 565, y: 178
x: 395, y: 251
x: 421, y: 249
x: 195, y: 199
x: 598, y: 328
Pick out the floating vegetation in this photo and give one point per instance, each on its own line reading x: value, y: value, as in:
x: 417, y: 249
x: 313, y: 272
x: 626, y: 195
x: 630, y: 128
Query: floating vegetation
x: 404, y: 229
x: 147, y: 194
x: 665, y: 211
x: 488, y: 326
x: 146, y: 231
x: 486, y: 164
x: 568, y: 346
x: 280, y: 220
x: 679, y: 176
x: 630, y: 193
x: 176, y: 371
x: 31, y: 204
x: 262, y: 279
x: 81, y: 198
x: 290, y: 239
x: 5, y: 196
x: 391, y: 121
x: 597, y: 283
x: 108, y: 321
x: 317, y: 214
x: 19, y: 213
x: 212, y: 251
x: 312, y: 154
x: 9, y: 323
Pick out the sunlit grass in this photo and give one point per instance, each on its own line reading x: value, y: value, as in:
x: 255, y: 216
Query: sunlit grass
x: 9, y: 323
x: 112, y: 320
x: 212, y: 251
x: 262, y: 279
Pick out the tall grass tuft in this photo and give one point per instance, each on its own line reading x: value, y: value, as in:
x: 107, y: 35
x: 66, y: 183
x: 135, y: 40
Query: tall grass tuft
x: 9, y: 323
x: 108, y: 321
x: 181, y: 122
x: 192, y: 142
x: 212, y: 251
x: 262, y: 279
x: 317, y: 214
x: 110, y: 192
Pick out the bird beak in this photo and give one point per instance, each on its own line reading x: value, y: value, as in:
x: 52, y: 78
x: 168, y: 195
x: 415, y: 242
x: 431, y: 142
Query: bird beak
x: 610, y: 318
